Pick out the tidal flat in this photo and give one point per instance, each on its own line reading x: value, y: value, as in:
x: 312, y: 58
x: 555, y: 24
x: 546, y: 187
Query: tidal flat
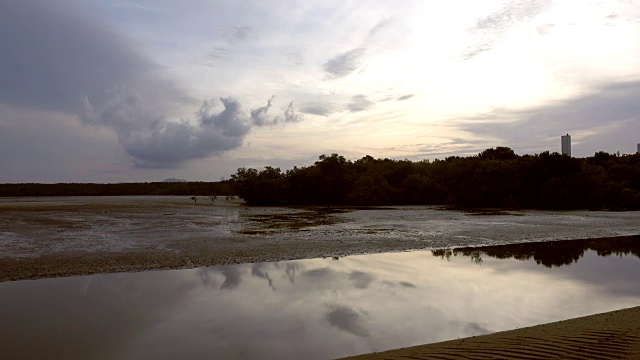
x: 240, y: 282
x: 66, y: 236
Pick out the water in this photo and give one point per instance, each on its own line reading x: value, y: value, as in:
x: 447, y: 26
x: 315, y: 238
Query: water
x: 316, y: 308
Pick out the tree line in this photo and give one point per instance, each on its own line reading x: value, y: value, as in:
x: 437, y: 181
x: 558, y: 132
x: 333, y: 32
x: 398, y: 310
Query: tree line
x: 495, y: 178
x: 92, y: 189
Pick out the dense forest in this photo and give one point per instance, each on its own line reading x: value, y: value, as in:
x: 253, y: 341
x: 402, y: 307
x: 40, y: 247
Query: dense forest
x: 495, y: 178
x: 150, y: 188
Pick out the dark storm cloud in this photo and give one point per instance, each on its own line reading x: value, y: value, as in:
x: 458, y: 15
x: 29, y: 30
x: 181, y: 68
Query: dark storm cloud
x: 344, y: 64
x: 346, y: 319
x: 613, y: 108
x: 52, y: 53
x: 359, y: 103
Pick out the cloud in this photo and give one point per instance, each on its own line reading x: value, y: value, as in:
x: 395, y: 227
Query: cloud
x: 232, y: 276
x: 154, y: 141
x: 405, y: 97
x: 474, y: 50
x: 492, y: 28
x: 346, y: 319
x: 359, y: 103
x: 344, y: 64
x: 237, y: 34
x: 545, y: 29
x: 227, y: 47
x: 259, y: 116
x: 380, y: 35
x: 361, y: 280
x: 379, y: 29
x: 407, y: 284
x: 290, y: 269
x: 474, y: 329
x: 319, y: 108
x: 219, y: 56
x: 394, y: 284
x: 50, y: 57
x: 511, y: 14
x: 325, y: 274
x: 259, y: 270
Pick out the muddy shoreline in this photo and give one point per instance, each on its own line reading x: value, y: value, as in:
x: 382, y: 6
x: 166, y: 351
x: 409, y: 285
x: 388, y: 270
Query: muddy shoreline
x: 58, y: 237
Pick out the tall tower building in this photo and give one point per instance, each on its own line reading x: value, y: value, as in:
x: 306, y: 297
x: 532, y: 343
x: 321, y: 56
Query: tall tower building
x: 638, y: 148
x: 566, y: 144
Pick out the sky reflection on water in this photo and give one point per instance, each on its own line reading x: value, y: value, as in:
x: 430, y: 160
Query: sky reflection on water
x: 316, y: 309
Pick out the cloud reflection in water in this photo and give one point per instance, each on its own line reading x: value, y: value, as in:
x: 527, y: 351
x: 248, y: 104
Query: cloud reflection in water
x: 294, y: 309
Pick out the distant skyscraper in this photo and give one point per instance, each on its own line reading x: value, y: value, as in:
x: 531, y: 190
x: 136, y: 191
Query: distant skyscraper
x: 638, y: 149
x: 566, y: 144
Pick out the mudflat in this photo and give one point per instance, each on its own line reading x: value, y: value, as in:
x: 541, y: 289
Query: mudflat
x: 65, y: 236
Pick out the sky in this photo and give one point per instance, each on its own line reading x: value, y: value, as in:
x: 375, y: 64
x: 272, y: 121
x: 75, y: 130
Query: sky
x: 126, y: 91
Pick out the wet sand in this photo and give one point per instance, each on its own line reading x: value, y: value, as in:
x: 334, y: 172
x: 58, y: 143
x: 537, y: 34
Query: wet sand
x: 611, y: 335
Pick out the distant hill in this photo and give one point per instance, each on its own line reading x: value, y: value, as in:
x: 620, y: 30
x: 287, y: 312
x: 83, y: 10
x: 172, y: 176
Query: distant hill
x: 174, y: 180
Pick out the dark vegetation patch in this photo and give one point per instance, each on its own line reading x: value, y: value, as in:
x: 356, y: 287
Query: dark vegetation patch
x: 494, y: 179
x: 295, y: 221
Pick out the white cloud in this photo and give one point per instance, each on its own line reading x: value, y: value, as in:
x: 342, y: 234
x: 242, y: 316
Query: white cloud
x: 340, y: 63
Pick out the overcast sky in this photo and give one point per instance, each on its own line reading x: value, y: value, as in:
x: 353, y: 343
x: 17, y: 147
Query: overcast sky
x: 113, y: 91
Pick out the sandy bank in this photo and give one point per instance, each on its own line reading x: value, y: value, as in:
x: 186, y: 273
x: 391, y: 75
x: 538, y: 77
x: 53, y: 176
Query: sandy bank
x: 611, y: 335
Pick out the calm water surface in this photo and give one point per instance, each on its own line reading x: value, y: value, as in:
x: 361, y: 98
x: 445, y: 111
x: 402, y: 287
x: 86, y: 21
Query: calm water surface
x: 315, y: 309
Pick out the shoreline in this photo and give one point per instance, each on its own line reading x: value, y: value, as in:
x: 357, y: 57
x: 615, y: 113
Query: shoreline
x: 197, y: 255
x: 610, y: 335
x: 81, y: 236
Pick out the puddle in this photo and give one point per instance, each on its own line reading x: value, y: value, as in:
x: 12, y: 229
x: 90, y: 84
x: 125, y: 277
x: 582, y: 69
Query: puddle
x: 317, y: 308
